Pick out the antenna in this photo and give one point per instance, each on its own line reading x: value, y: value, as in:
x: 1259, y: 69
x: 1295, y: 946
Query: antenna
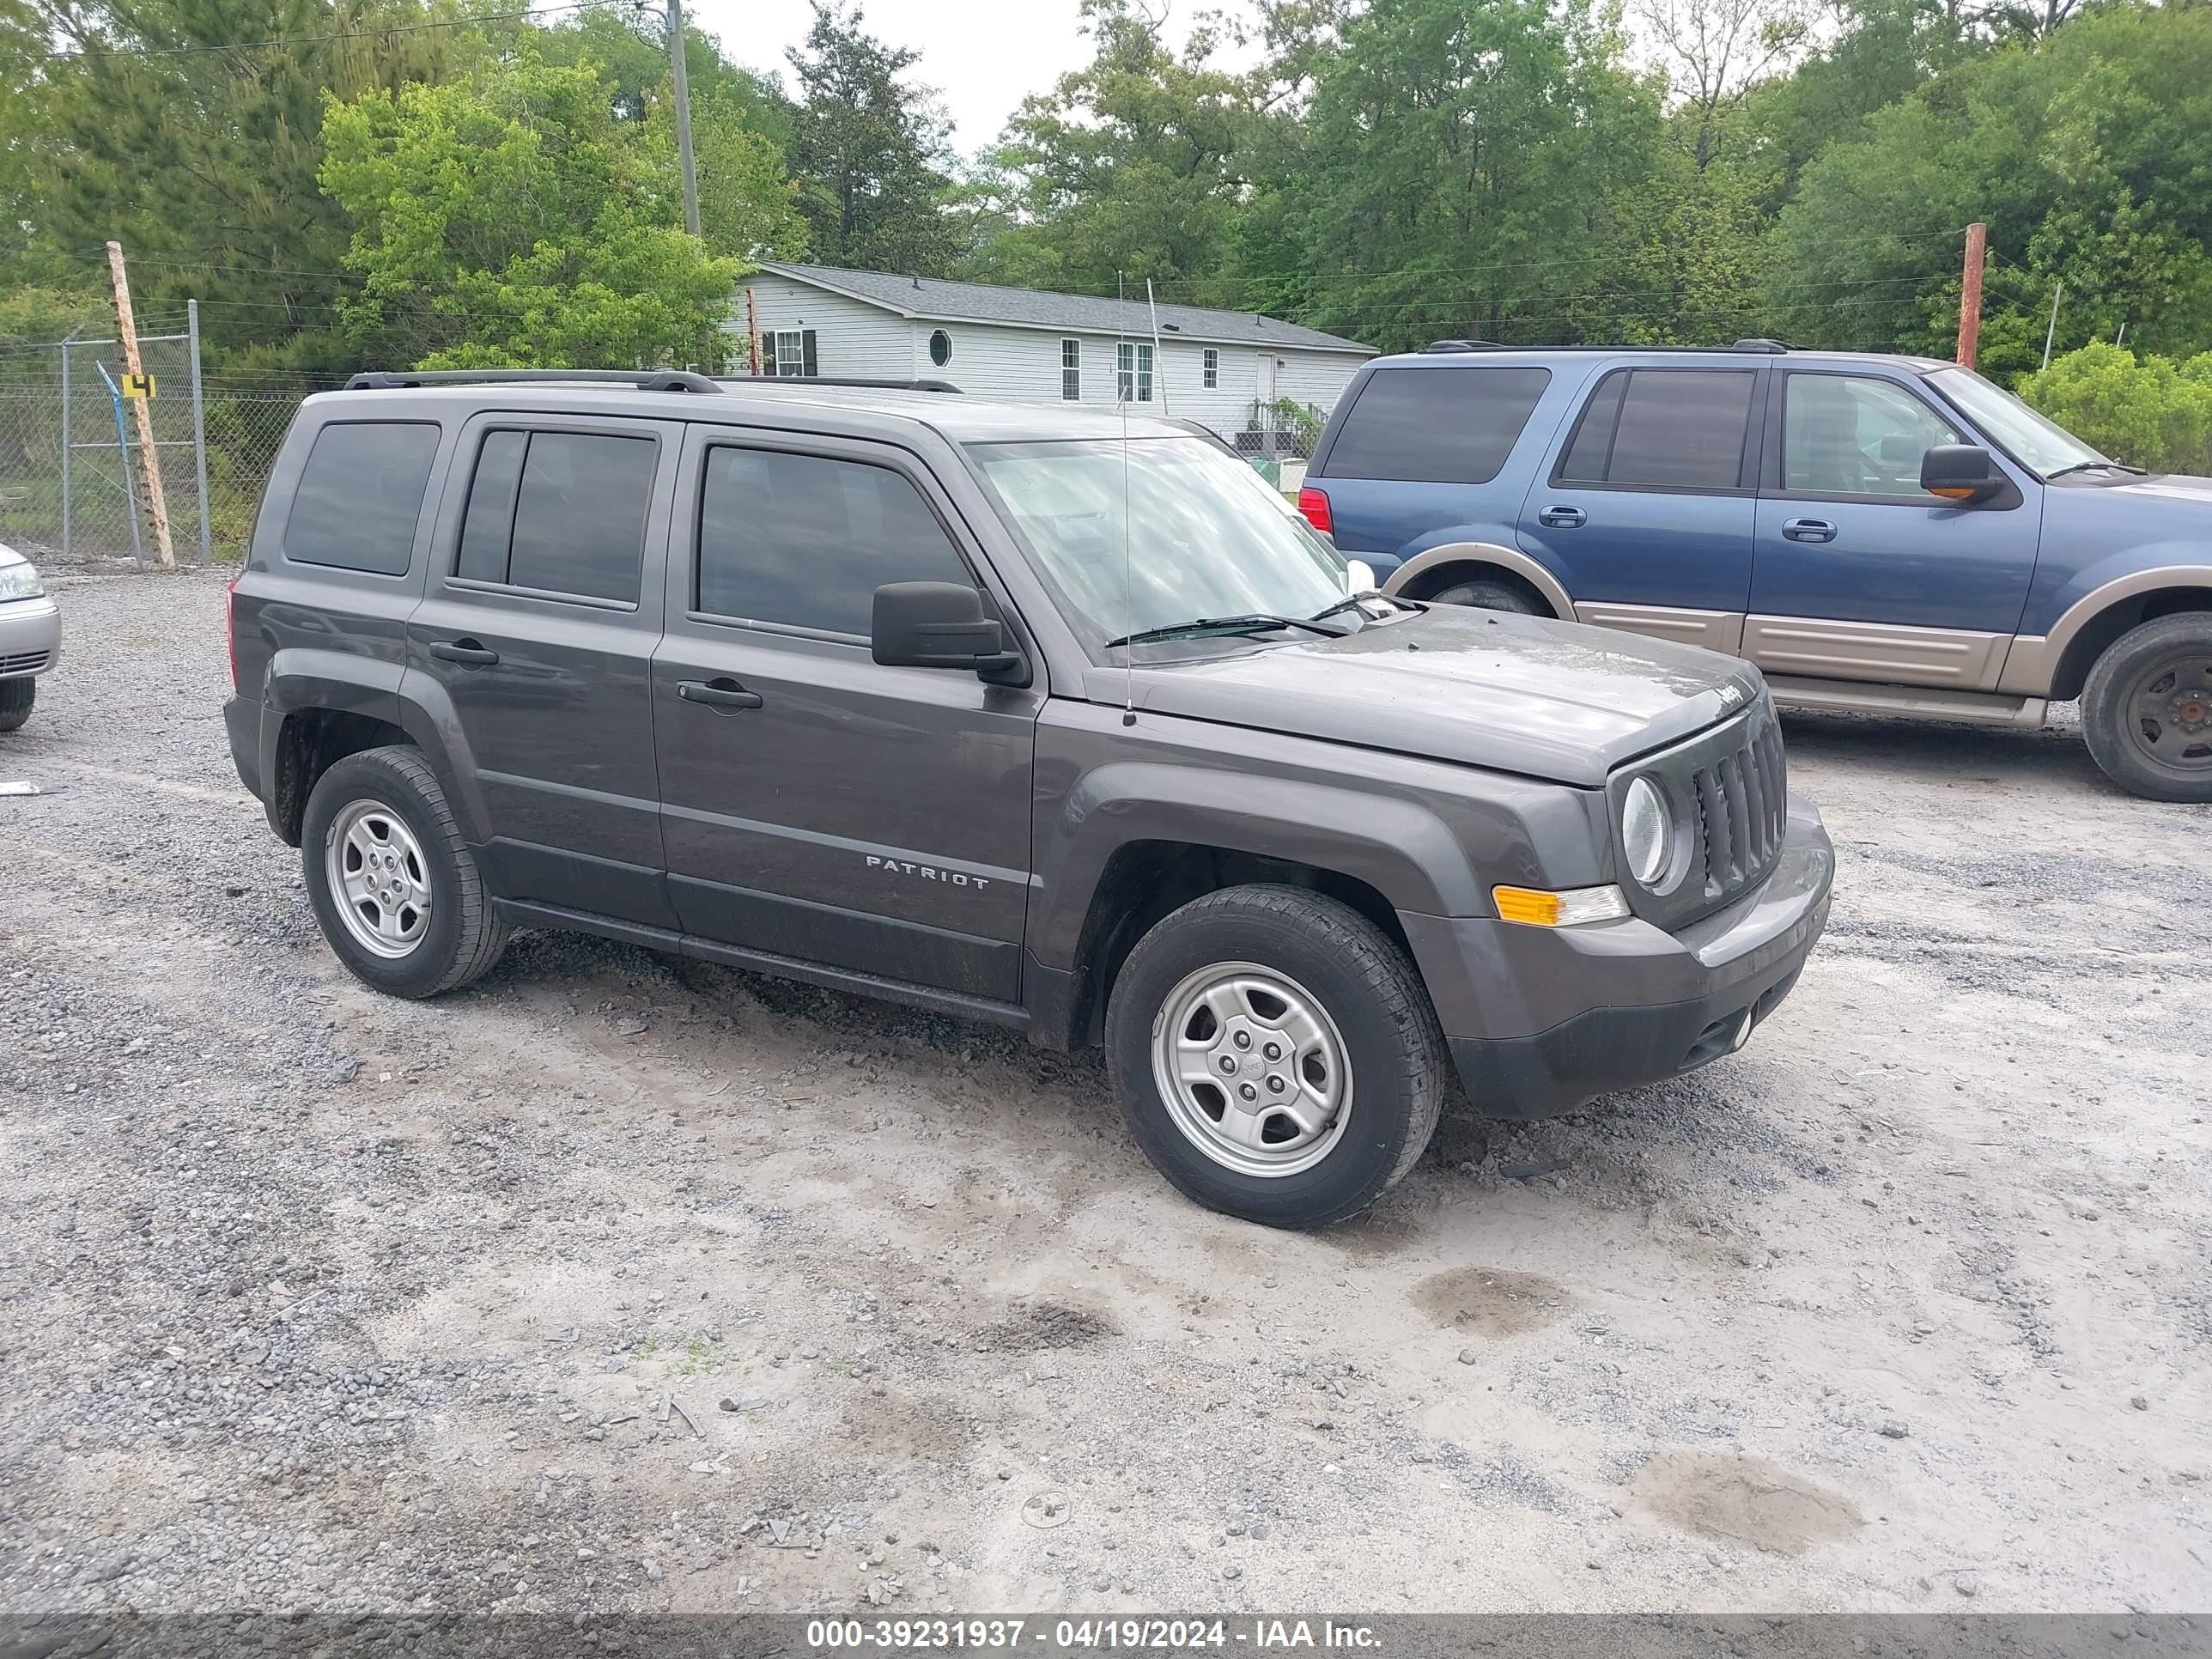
x: 1128, y: 572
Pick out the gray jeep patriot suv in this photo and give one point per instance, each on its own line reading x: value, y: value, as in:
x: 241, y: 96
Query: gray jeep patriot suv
x: 1027, y: 715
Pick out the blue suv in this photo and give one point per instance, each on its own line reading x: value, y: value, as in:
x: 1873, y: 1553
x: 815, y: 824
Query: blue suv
x: 1887, y: 534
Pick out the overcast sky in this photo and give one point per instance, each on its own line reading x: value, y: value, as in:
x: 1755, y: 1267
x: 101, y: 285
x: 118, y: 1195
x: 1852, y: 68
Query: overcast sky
x: 982, y: 56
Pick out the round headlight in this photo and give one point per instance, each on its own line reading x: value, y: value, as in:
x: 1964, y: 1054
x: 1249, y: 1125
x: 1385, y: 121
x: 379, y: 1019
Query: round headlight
x: 1643, y: 832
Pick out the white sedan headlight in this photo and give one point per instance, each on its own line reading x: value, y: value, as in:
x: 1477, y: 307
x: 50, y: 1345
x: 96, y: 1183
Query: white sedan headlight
x: 20, y: 580
x: 1644, y: 832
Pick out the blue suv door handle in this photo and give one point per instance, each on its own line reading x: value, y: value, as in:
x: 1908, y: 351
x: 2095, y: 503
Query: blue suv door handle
x: 1560, y: 517
x: 1808, y: 530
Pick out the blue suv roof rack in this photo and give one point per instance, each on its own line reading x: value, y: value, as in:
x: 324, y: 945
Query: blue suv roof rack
x: 644, y: 379
x: 1775, y: 348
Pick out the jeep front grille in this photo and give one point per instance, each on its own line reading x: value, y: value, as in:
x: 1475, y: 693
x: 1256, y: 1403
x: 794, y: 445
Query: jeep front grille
x: 1742, y: 802
x: 1728, y: 788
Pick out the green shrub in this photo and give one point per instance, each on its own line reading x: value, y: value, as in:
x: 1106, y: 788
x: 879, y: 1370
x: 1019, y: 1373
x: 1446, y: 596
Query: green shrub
x: 2148, y: 411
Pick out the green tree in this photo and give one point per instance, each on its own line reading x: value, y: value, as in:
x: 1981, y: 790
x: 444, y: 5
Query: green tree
x: 2088, y: 153
x: 172, y: 126
x: 872, y: 154
x: 2149, y: 410
x: 1130, y: 167
x: 512, y: 219
x: 1458, y: 170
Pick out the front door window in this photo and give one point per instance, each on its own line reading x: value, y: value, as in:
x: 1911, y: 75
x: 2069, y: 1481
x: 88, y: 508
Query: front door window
x: 1853, y: 434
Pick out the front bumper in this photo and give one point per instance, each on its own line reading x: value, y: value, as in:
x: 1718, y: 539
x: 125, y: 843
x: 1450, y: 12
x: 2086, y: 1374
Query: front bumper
x: 30, y: 637
x: 1540, y: 1019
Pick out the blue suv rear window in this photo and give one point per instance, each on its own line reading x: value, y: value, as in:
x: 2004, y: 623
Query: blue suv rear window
x: 1435, y: 425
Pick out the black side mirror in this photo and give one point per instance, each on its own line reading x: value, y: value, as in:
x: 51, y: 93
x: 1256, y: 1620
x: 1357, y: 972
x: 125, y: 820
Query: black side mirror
x: 1961, y: 472
x: 938, y: 625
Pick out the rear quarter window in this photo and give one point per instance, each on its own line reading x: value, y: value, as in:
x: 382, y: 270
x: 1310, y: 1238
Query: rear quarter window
x: 1436, y: 425
x: 360, y: 496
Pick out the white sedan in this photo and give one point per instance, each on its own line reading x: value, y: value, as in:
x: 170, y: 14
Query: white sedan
x: 30, y: 636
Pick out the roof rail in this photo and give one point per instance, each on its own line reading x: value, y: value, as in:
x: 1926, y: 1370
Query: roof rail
x: 644, y: 380
x: 1462, y: 345
x: 1760, y: 344
x: 843, y: 379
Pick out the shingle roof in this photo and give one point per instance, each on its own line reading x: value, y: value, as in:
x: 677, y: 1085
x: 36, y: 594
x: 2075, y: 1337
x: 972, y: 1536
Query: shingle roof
x: 927, y: 296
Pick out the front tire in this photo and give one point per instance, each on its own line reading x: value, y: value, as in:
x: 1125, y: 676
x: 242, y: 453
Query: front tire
x: 1276, y: 1055
x: 392, y: 883
x: 2147, y: 709
x: 16, y: 697
x: 1492, y: 593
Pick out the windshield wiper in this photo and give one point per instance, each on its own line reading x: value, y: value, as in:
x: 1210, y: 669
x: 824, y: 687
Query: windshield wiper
x: 1257, y: 622
x: 2098, y: 466
x: 1353, y: 599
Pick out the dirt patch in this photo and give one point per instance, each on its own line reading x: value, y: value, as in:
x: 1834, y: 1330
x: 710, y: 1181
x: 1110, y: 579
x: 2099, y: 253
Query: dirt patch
x: 1743, y: 1500
x: 1045, y: 1325
x: 1487, y: 1303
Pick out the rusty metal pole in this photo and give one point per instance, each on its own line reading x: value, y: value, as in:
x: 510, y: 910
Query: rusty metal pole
x: 752, y: 333
x: 149, y: 458
x: 1970, y: 294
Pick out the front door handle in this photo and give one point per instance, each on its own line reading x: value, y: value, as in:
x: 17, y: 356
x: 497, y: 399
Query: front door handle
x: 1808, y: 530
x: 724, y: 697
x: 1560, y: 517
x: 469, y: 653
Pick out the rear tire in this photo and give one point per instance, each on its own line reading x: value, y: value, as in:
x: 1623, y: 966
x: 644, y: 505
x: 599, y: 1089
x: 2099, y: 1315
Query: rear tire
x: 1293, y: 969
x: 414, y: 919
x: 16, y: 697
x: 1493, y: 593
x: 2147, y: 709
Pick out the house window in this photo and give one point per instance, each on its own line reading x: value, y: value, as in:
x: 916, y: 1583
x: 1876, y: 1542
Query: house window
x: 788, y: 351
x: 1071, y: 371
x: 940, y: 348
x: 1213, y: 368
x: 1133, y: 372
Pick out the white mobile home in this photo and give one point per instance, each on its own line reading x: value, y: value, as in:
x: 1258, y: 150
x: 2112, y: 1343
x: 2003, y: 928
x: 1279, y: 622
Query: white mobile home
x: 1224, y: 368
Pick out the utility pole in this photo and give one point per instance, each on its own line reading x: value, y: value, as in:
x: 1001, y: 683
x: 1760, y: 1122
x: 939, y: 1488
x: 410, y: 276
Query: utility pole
x: 1159, y: 352
x: 1970, y: 294
x: 752, y: 332
x: 149, y: 458
x: 683, y: 80
x: 2051, y: 332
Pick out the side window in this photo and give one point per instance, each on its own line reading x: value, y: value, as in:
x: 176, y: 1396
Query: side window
x: 1855, y: 435
x: 788, y: 351
x: 1211, y: 365
x: 1668, y: 429
x: 1071, y: 371
x: 1436, y: 425
x: 1133, y: 372
x: 360, y: 495
x: 804, y: 540
x: 559, y: 511
x: 488, y: 527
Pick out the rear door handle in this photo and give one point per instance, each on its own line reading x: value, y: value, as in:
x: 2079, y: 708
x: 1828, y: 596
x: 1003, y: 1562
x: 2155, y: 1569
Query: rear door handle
x: 469, y: 653
x: 726, y: 696
x: 1560, y: 517
x: 1808, y: 530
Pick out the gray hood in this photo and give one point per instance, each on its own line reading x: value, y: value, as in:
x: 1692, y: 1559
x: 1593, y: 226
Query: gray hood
x: 1524, y: 695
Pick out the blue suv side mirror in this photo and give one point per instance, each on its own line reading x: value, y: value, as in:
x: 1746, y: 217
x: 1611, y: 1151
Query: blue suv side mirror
x: 1961, y: 472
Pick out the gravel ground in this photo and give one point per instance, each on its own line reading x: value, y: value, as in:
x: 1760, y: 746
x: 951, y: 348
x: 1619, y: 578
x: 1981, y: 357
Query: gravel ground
x: 310, y: 1298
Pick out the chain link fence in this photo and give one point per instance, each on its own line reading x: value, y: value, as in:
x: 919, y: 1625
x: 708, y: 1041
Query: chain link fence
x: 72, y: 490
x: 1279, y: 439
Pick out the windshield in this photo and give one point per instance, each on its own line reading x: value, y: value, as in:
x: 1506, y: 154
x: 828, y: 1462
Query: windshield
x: 1206, y: 536
x: 2040, y: 445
